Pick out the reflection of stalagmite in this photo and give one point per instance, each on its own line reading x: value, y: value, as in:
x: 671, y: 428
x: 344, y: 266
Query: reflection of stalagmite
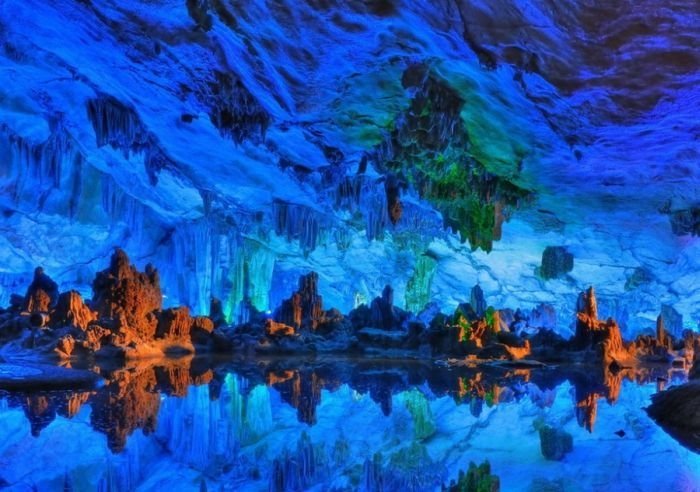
x: 586, y: 411
x: 126, y: 403
x: 303, y: 392
x: 40, y: 411
x: 70, y: 404
x: 131, y: 399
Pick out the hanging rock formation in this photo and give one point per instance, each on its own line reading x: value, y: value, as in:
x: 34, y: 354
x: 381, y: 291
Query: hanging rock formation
x: 556, y: 262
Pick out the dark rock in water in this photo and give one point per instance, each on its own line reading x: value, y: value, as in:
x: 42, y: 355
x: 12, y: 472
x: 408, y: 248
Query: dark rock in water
x: 121, y: 290
x: 620, y: 433
x: 12, y: 326
x: 556, y: 261
x: 676, y: 411
x: 555, y: 443
x: 42, y: 293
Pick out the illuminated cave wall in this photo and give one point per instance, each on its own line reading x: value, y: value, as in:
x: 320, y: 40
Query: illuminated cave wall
x: 432, y: 145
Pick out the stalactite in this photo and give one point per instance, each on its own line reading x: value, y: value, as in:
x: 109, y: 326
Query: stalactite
x: 234, y: 110
x: 120, y: 127
x: 296, y: 222
x: 47, y: 175
x: 418, y: 287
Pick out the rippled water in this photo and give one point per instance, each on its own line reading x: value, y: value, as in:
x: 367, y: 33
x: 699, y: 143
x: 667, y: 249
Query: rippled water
x: 339, y: 425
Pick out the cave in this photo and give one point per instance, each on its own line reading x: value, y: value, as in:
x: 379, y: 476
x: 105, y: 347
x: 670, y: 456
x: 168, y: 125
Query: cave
x: 349, y: 245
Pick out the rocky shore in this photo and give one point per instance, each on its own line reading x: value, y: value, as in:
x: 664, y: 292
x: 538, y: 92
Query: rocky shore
x: 125, y: 319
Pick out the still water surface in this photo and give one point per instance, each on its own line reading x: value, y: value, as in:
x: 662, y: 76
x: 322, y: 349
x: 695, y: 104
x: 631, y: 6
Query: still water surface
x: 274, y: 424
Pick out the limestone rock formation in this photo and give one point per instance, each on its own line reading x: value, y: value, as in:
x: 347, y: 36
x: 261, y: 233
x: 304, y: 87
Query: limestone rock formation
x: 275, y: 329
x: 478, y: 301
x: 72, y: 311
x: 673, y: 320
x: 174, y: 323
x: 304, y: 309
x: 592, y: 333
x: 694, y: 372
x: 202, y: 329
x: 122, y: 290
x: 42, y: 293
x: 655, y: 349
x: 383, y: 314
x: 123, y: 320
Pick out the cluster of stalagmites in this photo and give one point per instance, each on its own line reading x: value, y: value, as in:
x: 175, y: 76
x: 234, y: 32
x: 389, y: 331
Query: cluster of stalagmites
x: 124, y: 318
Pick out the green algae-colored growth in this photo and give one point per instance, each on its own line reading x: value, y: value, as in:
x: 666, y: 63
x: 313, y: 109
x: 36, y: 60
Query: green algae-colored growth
x: 418, y: 407
x: 418, y: 287
x: 434, y: 153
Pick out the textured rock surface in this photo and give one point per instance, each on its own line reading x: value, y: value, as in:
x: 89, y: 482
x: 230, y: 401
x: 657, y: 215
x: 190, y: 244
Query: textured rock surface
x: 304, y: 310
x: 72, y: 311
x: 121, y: 291
x: 603, y: 335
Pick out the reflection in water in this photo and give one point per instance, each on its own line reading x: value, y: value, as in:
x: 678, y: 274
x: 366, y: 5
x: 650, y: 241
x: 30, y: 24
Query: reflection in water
x: 218, y: 419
